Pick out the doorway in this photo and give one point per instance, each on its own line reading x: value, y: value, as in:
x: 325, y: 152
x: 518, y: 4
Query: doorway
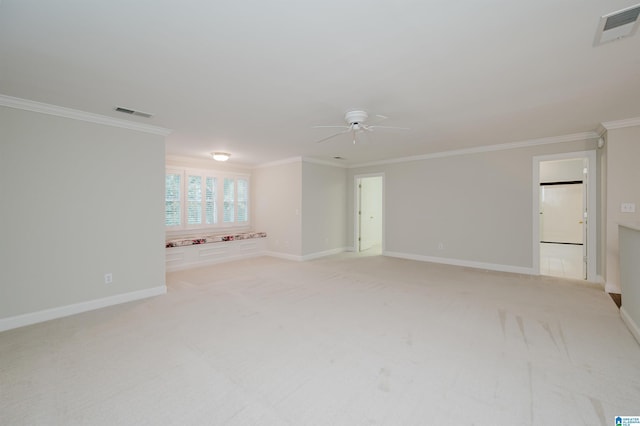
x: 369, y: 220
x: 564, y: 215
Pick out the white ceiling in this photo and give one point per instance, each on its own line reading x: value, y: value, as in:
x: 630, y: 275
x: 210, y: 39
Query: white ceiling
x: 253, y: 77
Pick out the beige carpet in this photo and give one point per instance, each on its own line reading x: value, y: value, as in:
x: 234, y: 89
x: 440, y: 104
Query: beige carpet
x: 345, y: 340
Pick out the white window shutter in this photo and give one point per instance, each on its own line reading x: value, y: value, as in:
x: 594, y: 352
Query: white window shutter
x: 211, y: 204
x: 202, y: 199
x: 172, y: 199
x: 194, y: 200
x: 229, y: 201
x: 243, y: 200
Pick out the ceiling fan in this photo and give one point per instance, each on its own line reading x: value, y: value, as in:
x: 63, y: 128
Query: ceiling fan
x: 356, y: 124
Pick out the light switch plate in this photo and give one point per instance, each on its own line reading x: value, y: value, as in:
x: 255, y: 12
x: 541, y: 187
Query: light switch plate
x: 628, y: 207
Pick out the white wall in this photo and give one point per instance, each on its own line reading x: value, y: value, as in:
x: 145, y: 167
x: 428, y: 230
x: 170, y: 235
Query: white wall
x: 479, y: 206
x: 623, y: 186
x: 277, y: 206
x: 324, y: 211
x: 630, y: 276
x: 79, y: 200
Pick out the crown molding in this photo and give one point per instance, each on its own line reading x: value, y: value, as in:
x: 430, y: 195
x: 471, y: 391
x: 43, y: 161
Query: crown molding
x: 488, y: 148
x: 205, y: 162
x: 300, y: 160
x: 324, y: 162
x: 619, y: 124
x: 600, y: 130
x: 74, y: 114
x: 279, y: 162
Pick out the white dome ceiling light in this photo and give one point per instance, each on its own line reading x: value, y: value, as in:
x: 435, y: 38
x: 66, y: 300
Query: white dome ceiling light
x: 220, y: 156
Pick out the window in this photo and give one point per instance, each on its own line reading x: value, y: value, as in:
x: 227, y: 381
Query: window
x: 172, y: 200
x: 236, y: 200
x: 195, y: 196
x: 243, y: 200
x: 229, y: 204
x: 211, y: 203
x: 194, y: 200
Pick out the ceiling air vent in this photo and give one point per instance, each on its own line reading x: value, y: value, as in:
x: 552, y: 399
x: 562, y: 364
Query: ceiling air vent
x: 617, y: 25
x: 133, y: 112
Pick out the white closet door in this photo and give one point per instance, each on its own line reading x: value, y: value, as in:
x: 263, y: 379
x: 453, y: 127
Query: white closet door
x: 561, y: 218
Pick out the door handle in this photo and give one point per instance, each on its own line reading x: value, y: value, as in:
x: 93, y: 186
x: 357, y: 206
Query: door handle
x: 580, y: 221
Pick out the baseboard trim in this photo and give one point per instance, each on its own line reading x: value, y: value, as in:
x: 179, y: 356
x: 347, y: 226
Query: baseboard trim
x: 310, y: 256
x: 610, y: 287
x: 598, y: 279
x: 65, y: 311
x: 325, y: 253
x: 464, y: 263
x: 284, y: 256
x: 631, y: 325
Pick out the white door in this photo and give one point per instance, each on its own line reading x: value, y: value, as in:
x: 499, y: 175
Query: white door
x: 370, y: 212
x: 561, y: 219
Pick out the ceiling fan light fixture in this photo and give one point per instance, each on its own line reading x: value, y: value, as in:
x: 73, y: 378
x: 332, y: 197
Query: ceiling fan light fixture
x: 220, y: 156
x: 355, y: 117
x: 356, y: 124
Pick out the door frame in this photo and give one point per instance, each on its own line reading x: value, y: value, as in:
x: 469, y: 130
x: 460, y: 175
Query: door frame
x: 591, y: 242
x: 356, y: 203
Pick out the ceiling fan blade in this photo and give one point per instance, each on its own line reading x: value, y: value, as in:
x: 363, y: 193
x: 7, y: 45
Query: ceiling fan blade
x: 334, y: 135
x: 380, y: 119
x: 331, y: 127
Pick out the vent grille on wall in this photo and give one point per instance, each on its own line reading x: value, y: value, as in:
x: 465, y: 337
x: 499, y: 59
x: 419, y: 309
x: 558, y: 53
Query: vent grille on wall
x: 617, y: 25
x: 133, y: 112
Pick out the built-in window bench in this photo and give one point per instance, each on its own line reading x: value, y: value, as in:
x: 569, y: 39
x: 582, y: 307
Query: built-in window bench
x: 191, y: 252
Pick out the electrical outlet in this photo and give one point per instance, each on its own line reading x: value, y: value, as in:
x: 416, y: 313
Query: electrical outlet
x: 628, y: 207
x: 108, y: 278
x: 440, y: 246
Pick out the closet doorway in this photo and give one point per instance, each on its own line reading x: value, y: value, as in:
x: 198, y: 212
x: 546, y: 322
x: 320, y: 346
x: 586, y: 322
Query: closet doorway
x: 565, y: 236
x: 369, y: 220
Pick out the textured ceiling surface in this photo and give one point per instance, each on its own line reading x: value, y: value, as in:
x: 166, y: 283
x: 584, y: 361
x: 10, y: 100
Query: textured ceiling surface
x: 253, y: 77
